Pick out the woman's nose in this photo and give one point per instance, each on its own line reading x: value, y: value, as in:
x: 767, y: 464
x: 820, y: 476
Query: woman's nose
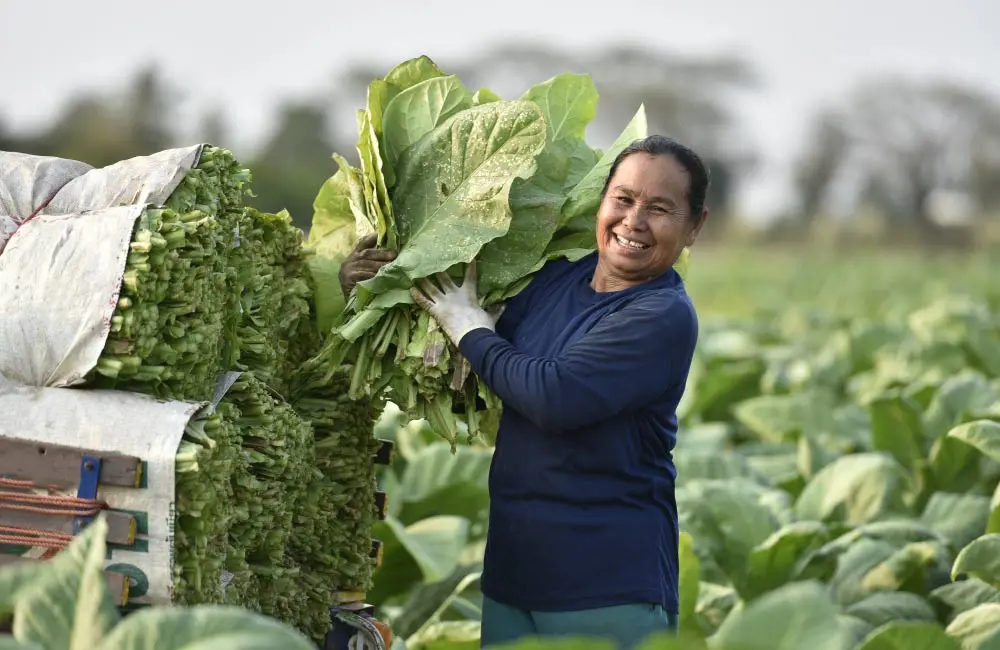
x: 634, y: 219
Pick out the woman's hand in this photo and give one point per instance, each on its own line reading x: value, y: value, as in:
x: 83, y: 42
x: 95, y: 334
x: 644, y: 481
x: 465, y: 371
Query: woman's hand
x: 455, y: 308
x: 363, y: 263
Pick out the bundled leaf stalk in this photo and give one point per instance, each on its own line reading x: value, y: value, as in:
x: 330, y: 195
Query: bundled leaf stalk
x: 275, y: 309
x: 448, y: 176
x: 206, y: 460
x: 277, y: 457
x: 333, y: 525
x: 177, y: 307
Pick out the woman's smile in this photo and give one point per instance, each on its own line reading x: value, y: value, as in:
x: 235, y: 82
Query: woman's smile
x: 628, y: 247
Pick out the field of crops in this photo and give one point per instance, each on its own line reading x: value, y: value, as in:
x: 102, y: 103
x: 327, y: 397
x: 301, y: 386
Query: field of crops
x: 838, y: 465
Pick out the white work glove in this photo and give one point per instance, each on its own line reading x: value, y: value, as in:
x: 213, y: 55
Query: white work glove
x: 455, y: 308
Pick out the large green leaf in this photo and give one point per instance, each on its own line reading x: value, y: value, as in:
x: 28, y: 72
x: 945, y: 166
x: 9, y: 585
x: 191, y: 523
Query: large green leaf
x: 714, y: 464
x: 959, y: 518
x: 447, y: 635
x: 585, y: 197
x: 984, y: 435
x: 855, y: 630
x: 780, y: 418
x: 333, y: 233
x: 726, y: 519
x: 427, y: 599
x: 433, y: 543
x: 374, y: 183
x: 977, y: 628
x: 958, y: 400
x: 847, y: 583
x: 203, y: 627
x: 70, y: 606
x: 10, y: 643
x: 917, y: 567
x: 328, y: 296
x: 15, y: 579
x: 352, y: 181
x: 418, y: 110
x: 424, y: 553
x: 855, y: 489
x: 568, y: 102
x: 910, y: 635
x: 994, y: 522
x: 956, y: 597
x: 413, y: 71
x: 980, y: 559
x: 688, y: 582
x: 439, y: 482
x: 484, y: 96
x: 953, y: 465
x: 773, y: 562
x: 452, y: 188
x: 560, y: 643
x: 380, y: 93
x: 535, y: 205
x: 798, y: 615
x: 897, y: 429
x: 715, y: 603
x: 884, y: 607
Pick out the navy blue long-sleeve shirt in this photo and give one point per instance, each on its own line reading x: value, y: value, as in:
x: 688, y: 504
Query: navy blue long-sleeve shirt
x: 582, y: 509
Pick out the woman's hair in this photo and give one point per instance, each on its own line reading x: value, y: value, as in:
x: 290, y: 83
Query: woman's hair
x: 658, y: 145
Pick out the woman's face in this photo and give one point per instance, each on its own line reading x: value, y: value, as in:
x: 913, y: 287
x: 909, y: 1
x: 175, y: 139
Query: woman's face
x: 644, y: 221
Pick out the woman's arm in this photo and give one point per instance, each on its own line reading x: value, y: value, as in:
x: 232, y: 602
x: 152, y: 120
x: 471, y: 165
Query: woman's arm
x: 627, y: 360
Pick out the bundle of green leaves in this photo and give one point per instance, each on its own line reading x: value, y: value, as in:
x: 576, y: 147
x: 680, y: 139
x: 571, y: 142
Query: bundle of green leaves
x: 174, y: 327
x: 448, y: 176
x: 206, y: 460
x: 333, y: 522
x: 276, y: 319
x: 269, y: 481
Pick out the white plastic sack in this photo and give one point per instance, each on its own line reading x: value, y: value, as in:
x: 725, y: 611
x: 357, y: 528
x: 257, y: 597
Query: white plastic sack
x: 60, y: 278
x: 145, y: 179
x: 27, y: 181
x: 7, y: 228
x: 114, y: 422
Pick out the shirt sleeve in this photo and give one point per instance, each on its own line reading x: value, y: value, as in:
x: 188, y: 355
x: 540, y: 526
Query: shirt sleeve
x: 629, y: 359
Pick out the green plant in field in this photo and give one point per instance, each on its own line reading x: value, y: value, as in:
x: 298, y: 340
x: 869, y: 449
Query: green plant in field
x: 434, y: 534
x: 65, y: 604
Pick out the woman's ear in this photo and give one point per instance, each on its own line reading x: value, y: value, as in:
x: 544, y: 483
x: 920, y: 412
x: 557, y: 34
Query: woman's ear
x: 692, y: 234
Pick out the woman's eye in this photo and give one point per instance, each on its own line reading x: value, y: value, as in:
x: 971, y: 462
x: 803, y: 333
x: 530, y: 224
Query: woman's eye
x: 624, y: 199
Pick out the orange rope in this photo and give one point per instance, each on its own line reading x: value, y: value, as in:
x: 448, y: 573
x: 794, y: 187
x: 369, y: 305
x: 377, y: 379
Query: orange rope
x: 40, y: 542
x: 53, y: 500
x: 58, y: 505
x: 31, y: 537
x: 13, y: 482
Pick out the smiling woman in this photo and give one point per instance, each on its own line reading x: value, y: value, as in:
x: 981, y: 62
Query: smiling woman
x: 590, y: 362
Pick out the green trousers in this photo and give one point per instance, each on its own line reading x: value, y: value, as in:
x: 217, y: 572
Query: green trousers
x: 627, y: 625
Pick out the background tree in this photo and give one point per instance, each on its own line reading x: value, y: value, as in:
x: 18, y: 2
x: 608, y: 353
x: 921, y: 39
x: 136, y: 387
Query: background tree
x: 896, y: 141
x: 295, y: 161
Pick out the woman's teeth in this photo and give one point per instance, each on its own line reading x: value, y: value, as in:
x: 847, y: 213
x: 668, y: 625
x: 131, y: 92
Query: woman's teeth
x: 628, y: 243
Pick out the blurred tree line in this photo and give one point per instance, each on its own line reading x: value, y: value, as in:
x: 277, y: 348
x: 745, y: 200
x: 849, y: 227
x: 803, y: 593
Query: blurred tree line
x: 891, y: 144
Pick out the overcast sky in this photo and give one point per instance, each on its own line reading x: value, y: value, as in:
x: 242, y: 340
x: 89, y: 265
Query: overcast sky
x: 247, y: 59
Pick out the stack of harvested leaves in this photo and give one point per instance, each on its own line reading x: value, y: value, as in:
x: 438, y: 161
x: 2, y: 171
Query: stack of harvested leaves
x: 332, y: 541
